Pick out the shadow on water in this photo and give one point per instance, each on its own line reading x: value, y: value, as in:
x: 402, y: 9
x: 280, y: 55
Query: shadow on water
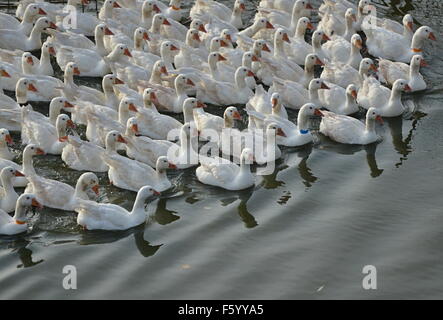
x: 19, y: 245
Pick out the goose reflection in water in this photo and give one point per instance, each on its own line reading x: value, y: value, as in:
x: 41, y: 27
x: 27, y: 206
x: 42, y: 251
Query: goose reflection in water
x: 19, y: 245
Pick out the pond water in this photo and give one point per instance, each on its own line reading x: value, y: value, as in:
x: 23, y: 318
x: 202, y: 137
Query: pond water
x: 306, y: 231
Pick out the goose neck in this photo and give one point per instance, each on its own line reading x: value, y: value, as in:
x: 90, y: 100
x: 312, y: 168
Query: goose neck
x: 139, y: 205
x: 240, y: 81
x: 7, y: 184
x: 54, y: 111
x: 28, y: 166
x: 370, y: 125
x: 20, y: 212
x: 302, y: 121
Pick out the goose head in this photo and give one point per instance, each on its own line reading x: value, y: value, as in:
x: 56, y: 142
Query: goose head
x: 401, y: 85
x: 102, y: 30
x: 247, y: 156
x: 303, y: 24
x: 149, y: 97
x: 420, y: 36
x: 318, y: 37
x: 43, y: 23
x: 281, y: 35
x: 149, y: 7
x: 362, y: 5
x: 262, y: 23
x: 32, y: 150
x: 275, y: 100
x: 350, y: 15
x: 418, y: 61
x: 367, y: 64
x: 275, y: 129
x: 22, y: 87
x: 167, y: 50
x: 159, y: 20
x: 121, y: 49
x: 192, y: 103
x: 58, y: 104
x: 175, y: 4
x: 109, y: 81
x: 199, y: 25
x: 48, y: 48
x: 352, y: 91
x: 160, y: 67
x: 231, y: 113
x: 32, y: 10
x: 132, y: 127
x: 146, y: 193
x: 248, y: 59
x: 182, y: 81
x: 193, y: 38
x: 112, y: 138
x: 8, y: 173
x: 126, y: 105
x: 63, y: 122
x: 72, y: 69
x: 215, y: 57
x: 408, y: 22
x: 259, y: 46
x: 308, y: 110
x: 243, y: 72
x: 217, y: 43
x: 88, y: 181
x: 27, y: 62
x: 26, y: 200
x: 141, y: 34
x: 311, y: 60
x: 4, y: 73
x: 226, y: 35
x: 239, y: 5
x: 111, y: 4
x: 317, y: 84
x: 356, y: 41
x: 373, y: 115
x: 5, y: 137
x: 164, y: 164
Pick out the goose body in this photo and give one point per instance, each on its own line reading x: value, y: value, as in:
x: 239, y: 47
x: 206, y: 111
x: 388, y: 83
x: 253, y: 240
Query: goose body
x: 8, y: 196
x: 17, y: 224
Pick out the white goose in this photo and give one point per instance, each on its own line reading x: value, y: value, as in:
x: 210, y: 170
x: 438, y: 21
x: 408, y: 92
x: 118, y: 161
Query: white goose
x: 283, y: 5
x: 58, y: 195
x: 387, y: 102
x: 317, y: 48
x: 8, y: 196
x: 392, y: 71
x: 144, y: 149
x: 43, y: 66
x: 13, y: 39
x: 6, y: 102
x: 339, y: 100
x: 210, y: 126
x: 348, y: 130
x: 298, y: 49
x: 333, y: 25
x: 83, y: 155
x: 17, y: 224
x: 341, y: 51
x: 131, y: 174
x: 263, y: 143
x: 344, y: 75
x: 222, y: 173
x: 5, y: 140
x: 406, y: 29
x: 31, y: 14
x: 51, y: 138
x: 220, y: 11
x: 108, y: 216
x: 393, y: 46
x: 185, y: 154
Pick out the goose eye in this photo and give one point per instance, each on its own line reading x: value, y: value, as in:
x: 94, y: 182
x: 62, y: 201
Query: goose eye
x: 27, y: 198
x: 32, y: 148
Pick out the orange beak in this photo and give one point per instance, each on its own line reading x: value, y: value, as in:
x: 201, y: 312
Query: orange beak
x: 108, y: 32
x: 423, y: 63
x: 96, y: 189
x: 32, y: 88
x: 281, y: 133
x: 68, y: 105
x: 18, y: 174
x: 85, y: 2
x: 255, y: 58
x: 156, y: 193
x: 146, y: 36
x: 379, y: 119
x: 116, y: 5
x: 156, y: 8
x: 324, y: 86
x: 309, y: 6
x: 5, y: 74
x: 223, y: 43
x: 242, y: 6
x: 310, y: 26
x: 190, y: 82
x: 40, y: 152
x: 221, y: 58
x: 164, y: 70
x: 354, y: 94
x: 134, y: 128
x: 36, y: 204
x: 266, y: 48
x: 326, y: 38
x: 286, y: 38
x: 432, y: 36
x: 51, y: 51
x: 153, y: 96
x: 200, y: 105
x: 373, y: 67
x: 127, y: 53
x: 250, y: 74
x: 172, y: 166
x: 52, y: 25
x: 319, y: 62
x: 408, y: 88
x: 354, y: 18
x: 228, y: 37
x: 70, y: 123
x: 121, y: 139
x: 76, y: 71
x: 274, y: 103
x: 174, y: 48
x: 30, y: 61
x: 410, y: 25
x: 318, y: 113
x: 202, y: 28
x: 63, y: 139
x: 118, y: 81
x: 41, y: 11
x: 359, y: 44
x: 237, y: 115
x: 269, y: 25
x: 132, y: 107
x: 196, y: 37
x: 8, y: 139
x: 166, y: 22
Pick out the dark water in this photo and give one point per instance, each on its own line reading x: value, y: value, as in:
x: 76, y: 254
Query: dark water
x: 304, y: 232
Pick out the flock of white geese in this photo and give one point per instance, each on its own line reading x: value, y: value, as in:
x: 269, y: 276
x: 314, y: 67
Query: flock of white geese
x: 151, y: 64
